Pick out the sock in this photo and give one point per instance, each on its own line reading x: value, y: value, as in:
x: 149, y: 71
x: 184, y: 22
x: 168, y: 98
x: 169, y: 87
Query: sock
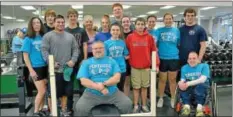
x: 161, y: 98
x: 135, y: 106
x: 199, y: 107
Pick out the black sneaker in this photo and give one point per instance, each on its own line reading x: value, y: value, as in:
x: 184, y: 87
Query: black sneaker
x: 37, y: 114
x: 43, y: 112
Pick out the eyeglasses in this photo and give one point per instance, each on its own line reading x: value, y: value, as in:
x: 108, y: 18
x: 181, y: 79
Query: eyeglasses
x: 98, y: 48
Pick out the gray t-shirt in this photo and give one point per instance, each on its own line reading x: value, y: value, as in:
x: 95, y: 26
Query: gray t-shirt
x: 62, y: 46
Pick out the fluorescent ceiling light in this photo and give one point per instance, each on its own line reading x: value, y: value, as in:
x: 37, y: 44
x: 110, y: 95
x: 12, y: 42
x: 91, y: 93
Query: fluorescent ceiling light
x: 174, y: 15
x: 77, y: 6
x: 141, y: 16
x: 42, y: 17
x: 80, y: 12
x: 200, y: 16
x: 126, y: 6
x: 160, y: 18
x: 152, y: 12
x: 8, y: 17
x: 80, y: 19
x: 80, y: 16
x: 167, y: 7
x: 181, y: 13
x: 36, y: 12
x: 20, y: 20
x: 133, y: 19
x: 207, y: 8
x: 28, y: 7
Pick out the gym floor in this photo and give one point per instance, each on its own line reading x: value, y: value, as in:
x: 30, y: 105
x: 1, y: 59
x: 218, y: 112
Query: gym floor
x: 224, y: 96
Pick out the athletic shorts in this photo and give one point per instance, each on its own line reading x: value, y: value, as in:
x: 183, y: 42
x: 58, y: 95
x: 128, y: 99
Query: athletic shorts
x: 63, y: 88
x: 42, y: 72
x: 169, y: 65
x: 140, y: 78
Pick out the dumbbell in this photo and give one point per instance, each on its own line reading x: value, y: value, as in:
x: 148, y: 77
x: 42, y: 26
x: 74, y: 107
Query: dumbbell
x: 218, y: 72
x: 226, y: 72
x: 229, y: 56
x: 211, y: 56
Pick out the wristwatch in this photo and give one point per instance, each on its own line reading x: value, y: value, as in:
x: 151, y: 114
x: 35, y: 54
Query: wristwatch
x: 104, y: 83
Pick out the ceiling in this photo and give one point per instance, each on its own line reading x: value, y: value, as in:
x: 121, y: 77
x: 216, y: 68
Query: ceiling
x: 97, y: 11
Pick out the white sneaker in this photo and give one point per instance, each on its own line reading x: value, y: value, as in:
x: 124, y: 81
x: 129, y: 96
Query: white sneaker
x: 172, y: 102
x: 160, y: 103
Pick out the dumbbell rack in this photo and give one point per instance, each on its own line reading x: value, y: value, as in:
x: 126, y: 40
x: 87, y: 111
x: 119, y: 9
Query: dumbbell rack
x: 220, y: 62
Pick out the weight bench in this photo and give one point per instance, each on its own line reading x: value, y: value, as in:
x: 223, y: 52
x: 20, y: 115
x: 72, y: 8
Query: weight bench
x: 105, y: 110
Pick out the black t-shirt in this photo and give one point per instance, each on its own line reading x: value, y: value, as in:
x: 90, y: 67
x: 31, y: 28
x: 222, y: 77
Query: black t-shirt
x: 126, y: 34
x: 80, y: 36
x: 47, y: 28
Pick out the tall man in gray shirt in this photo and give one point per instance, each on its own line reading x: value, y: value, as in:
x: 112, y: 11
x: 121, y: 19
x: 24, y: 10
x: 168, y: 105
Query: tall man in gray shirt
x: 62, y: 46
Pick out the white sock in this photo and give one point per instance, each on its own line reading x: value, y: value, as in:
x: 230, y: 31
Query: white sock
x: 199, y: 107
x: 135, y: 106
x: 161, y: 98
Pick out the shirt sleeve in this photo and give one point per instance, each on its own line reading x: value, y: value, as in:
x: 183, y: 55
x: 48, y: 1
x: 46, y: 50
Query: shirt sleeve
x: 183, y: 74
x: 116, y: 68
x: 83, y: 72
x: 206, y: 71
x: 45, y: 47
x: 106, y: 49
x: 26, y: 46
x: 202, y: 35
x: 126, y: 52
x: 85, y: 38
x: 96, y: 37
x: 178, y: 37
x: 75, y: 50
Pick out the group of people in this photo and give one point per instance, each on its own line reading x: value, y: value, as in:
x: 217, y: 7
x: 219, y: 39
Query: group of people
x: 107, y: 62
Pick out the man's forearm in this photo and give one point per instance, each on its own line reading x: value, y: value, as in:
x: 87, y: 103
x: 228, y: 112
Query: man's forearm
x: 202, y: 50
x: 85, y: 47
x: 113, y: 80
x: 89, y: 84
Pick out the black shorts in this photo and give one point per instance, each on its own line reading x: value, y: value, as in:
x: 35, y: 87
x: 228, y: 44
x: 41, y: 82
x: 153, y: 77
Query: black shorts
x: 128, y: 68
x: 169, y: 65
x: 63, y: 88
x: 42, y: 72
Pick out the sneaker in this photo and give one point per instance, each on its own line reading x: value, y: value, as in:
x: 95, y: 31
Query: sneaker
x: 37, y: 114
x: 199, y: 113
x: 160, y: 103
x: 136, y: 109
x: 70, y: 112
x: 44, y: 112
x: 185, y: 111
x: 145, y: 109
x: 64, y: 113
x: 172, y: 103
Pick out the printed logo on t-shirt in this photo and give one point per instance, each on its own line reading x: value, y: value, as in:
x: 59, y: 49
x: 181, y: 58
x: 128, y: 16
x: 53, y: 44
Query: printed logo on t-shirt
x: 193, y: 75
x: 192, y: 32
x: 116, y: 51
x: 78, y: 37
x: 140, y: 43
x: 100, y: 69
x: 168, y: 36
x: 37, y: 44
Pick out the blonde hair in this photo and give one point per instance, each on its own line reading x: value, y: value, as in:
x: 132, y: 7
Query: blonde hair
x: 88, y: 17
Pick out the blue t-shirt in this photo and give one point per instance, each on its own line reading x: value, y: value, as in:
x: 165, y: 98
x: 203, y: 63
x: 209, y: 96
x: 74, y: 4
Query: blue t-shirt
x: 103, y: 36
x: 16, y: 44
x: 117, y: 50
x: 99, y: 70
x: 189, y: 73
x: 33, y: 48
x: 167, y: 42
x: 153, y: 33
x: 190, y: 38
